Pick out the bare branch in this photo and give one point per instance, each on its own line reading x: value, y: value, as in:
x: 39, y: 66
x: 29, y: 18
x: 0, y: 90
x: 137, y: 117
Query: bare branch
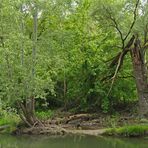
x: 116, y: 71
x: 119, y: 61
x: 135, y: 17
x: 115, y: 25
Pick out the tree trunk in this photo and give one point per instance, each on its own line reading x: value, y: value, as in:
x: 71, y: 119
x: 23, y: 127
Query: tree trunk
x: 34, y: 49
x: 27, y: 107
x: 27, y: 113
x: 140, y: 72
x: 22, y: 41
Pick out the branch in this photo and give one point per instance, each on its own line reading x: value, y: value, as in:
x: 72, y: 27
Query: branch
x: 115, y: 25
x: 125, y: 77
x: 145, y: 34
x: 119, y: 61
x: 129, y: 44
x: 135, y: 17
x: 116, y: 71
x: 115, y: 60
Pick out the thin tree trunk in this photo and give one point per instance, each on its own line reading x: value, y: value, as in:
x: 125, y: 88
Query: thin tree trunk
x: 27, y: 108
x: 34, y: 41
x: 35, y: 28
x: 22, y: 42
x: 64, y: 83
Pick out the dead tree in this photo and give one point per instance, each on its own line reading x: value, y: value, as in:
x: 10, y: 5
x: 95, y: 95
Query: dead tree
x: 140, y: 73
x: 137, y: 52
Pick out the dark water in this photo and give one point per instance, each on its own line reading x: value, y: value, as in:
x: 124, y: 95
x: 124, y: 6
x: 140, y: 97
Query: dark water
x: 70, y: 142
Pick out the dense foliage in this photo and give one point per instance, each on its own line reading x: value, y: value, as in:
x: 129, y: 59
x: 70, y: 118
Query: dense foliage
x: 59, y: 52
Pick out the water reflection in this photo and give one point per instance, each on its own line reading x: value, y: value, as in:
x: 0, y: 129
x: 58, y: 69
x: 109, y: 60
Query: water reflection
x: 70, y: 142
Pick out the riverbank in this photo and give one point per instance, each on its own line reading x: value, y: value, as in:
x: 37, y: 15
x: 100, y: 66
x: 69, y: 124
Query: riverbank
x: 88, y: 124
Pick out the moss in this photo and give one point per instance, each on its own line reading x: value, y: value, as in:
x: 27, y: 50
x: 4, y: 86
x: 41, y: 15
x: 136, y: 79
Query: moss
x: 128, y: 131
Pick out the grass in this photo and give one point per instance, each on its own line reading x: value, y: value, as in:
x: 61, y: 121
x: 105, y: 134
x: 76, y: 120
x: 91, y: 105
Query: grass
x: 128, y: 131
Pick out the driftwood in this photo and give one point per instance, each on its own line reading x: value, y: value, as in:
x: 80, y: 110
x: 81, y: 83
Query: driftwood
x: 82, y: 117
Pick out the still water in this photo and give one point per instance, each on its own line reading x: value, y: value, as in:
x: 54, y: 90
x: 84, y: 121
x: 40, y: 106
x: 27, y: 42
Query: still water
x: 70, y: 142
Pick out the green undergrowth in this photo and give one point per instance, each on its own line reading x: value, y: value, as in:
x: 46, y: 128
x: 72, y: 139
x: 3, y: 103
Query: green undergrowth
x: 128, y: 131
x: 45, y: 115
x: 8, y: 118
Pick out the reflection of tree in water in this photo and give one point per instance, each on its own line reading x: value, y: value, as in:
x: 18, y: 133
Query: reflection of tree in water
x: 70, y: 142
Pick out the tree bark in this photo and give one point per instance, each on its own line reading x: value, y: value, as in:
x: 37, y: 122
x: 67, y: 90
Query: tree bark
x: 27, y: 113
x: 140, y: 72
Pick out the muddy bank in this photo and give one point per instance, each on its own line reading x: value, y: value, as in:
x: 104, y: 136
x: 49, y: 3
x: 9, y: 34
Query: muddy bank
x: 57, y: 131
x: 89, y: 124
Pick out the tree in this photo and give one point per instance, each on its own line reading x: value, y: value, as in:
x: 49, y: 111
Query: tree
x: 25, y: 68
x: 130, y: 42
